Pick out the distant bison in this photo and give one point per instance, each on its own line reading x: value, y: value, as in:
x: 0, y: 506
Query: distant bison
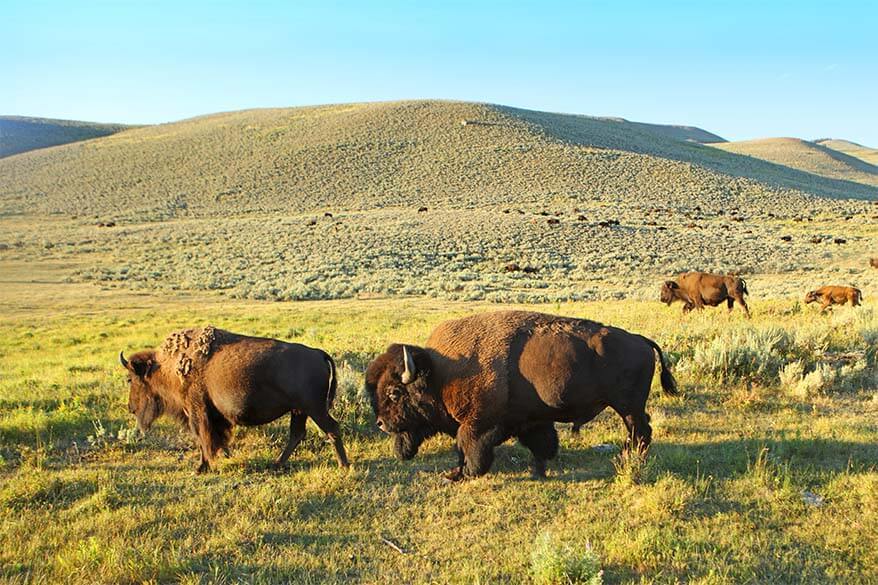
x: 873, y: 262
x: 211, y: 380
x: 489, y: 377
x: 834, y: 295
x: 697, y: 289
x: 425, y: 210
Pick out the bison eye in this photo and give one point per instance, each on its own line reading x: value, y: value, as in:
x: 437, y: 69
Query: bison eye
x: 394, y: 394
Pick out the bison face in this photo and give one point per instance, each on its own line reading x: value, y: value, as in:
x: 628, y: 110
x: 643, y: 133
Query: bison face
x: 396, y: 382
x: 811, y: 297
x: 668, y: 295
x: 143, y: 402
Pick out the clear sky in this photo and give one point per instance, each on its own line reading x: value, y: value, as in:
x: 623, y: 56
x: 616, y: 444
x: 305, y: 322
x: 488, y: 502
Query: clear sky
x: 742, y: 69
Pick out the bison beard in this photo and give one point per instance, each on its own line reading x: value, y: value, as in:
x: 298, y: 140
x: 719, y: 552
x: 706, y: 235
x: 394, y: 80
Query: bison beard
x: 407, y: 443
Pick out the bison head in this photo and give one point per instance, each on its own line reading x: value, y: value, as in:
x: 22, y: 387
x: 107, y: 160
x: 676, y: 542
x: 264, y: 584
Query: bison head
x: 811, y: 297
x: 404, y: 407
x: 668, y: 295
x: 143, y: 402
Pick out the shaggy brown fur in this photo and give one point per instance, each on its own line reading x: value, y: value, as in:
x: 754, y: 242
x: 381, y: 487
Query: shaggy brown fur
x: 211, y: 380
x: 485, y: 378
x: 834, y: 295
x: 697, y: 289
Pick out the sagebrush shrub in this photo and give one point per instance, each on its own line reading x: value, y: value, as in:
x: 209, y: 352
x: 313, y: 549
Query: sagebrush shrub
x: 557, y: 563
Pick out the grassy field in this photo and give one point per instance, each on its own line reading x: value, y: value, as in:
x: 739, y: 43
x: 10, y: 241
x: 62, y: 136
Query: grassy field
x: 763, y: 471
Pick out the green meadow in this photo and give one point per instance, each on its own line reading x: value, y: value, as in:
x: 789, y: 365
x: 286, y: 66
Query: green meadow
x: 762, y: 471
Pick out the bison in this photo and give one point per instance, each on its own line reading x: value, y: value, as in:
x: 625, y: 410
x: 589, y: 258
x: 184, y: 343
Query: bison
x: 486, y: 378
x: 834, y: 295
x: 210, y: 380
x: 873, y: 262
x: 697, y: 289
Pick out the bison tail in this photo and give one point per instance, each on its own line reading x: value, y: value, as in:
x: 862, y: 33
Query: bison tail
x: 333, y: 381
x: 744, y: 287
x: 669, y: 384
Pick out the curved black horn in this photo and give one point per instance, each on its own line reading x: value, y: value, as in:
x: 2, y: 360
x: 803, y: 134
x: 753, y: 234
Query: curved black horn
x: 122, y: 359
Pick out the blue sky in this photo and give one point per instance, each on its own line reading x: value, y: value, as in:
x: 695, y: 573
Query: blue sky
x: 741, y: 69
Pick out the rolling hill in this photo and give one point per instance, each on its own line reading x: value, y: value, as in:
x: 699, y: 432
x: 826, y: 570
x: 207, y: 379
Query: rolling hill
x: 21, y: 134
x: 375, y: 155
x: 807, y: 156
x: 864, y: 153
x: 447, y: 199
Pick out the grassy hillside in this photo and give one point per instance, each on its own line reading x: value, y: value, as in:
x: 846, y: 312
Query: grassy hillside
x: 518, y: 204
x: 864, y: 153
x: 755, y: 475
x: 684, y: 133
x: 810, y: 157
x: 408, y: 154
x: 21, y: 134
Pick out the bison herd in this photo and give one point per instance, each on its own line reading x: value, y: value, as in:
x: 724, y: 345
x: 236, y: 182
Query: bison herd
x: 481, y: 379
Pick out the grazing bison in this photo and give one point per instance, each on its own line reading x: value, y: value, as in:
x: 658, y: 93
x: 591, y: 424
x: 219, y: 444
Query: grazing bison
x: 873, y: 262
x: 697, y: 289
x: 211, y: 380
x: 486, y: 378
x: 834, y: 295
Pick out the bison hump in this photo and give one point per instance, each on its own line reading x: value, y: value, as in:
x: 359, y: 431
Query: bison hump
x: 189, y: 349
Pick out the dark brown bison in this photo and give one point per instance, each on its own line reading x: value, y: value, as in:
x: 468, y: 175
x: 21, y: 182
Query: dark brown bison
x: 489, y: 377
x: 697, y: 289
x: 211, y: 380
x: 834, y: 295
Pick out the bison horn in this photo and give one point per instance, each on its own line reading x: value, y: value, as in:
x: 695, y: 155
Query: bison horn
x: 122, y: 359
x: 408, y: 375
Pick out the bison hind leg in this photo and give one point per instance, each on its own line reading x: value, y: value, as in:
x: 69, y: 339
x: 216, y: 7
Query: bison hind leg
x: 297, y: 433
x: 639, y: 431
x: 330, y: 426
x: 542, y: 440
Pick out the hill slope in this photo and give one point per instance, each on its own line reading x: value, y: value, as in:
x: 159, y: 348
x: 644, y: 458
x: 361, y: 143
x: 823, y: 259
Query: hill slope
x: 864, y: 153
x: 806, y: 156
x: 21, y: 134
x: 368, y: 156
x: 323, y: 202
x: 684, y: 133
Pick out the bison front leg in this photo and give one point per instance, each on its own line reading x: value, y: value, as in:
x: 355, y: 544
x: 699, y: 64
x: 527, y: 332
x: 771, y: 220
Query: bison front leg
x: 456, y: 474
x: 478, y: 448
x: 201, y: 431
x: 542, y: 441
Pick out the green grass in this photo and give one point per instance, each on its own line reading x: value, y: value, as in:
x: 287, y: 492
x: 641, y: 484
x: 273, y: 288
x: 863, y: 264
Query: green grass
x: 720, y: 500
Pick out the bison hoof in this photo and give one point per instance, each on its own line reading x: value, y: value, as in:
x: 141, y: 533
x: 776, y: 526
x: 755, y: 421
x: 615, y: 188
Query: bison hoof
x: 454, y: 475
x: 538, y: 470
x: 203, y: 468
